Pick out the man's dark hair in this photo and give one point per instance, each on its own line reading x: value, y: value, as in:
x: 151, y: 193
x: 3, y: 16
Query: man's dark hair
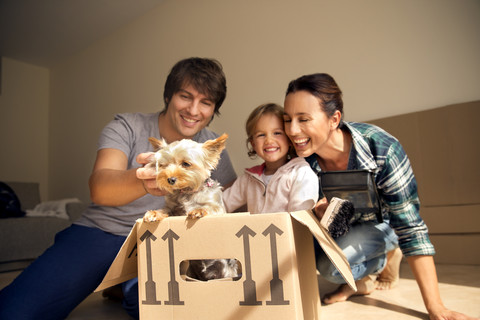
x: 205, y: 75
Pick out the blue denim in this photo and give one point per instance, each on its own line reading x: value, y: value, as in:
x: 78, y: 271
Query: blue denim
x: 365, y: 247
x: 130, y: 300
x: 62, y: 277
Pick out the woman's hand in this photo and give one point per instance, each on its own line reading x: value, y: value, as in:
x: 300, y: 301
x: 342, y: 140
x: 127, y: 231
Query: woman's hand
x: 444, y: 314
x: 423, y: 268
x: 320, y: 208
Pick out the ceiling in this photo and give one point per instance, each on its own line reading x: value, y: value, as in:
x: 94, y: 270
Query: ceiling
x: 41, y: 32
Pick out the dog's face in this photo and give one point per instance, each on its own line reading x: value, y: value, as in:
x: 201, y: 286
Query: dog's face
x: 185, y: 165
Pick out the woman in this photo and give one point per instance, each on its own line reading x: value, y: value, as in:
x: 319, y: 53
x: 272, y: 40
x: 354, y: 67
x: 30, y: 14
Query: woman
x: 313, y: 121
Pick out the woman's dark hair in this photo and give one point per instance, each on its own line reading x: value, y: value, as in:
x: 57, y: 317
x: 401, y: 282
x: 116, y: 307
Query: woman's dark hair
x: 205, y: 75
x: 322, y: 86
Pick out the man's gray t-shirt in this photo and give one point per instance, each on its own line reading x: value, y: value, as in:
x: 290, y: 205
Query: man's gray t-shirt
x: 129, y: 133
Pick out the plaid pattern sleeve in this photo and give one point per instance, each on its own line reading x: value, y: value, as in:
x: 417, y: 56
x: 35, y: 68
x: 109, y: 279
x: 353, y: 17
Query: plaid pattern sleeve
x: 379, y: 151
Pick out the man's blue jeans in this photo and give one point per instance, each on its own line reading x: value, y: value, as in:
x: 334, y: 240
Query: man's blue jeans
x: 365, y: 247
x: 62, y: 277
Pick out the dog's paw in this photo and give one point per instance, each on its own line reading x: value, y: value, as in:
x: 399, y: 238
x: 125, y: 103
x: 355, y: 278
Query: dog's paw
x: 197, y: 213
x: 154, y: 215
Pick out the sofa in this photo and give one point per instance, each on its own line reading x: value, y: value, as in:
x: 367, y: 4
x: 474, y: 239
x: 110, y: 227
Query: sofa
x: 24, y: 239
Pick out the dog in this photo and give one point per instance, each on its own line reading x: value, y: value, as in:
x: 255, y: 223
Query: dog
x: 183, y: 170
x: 209, y: 269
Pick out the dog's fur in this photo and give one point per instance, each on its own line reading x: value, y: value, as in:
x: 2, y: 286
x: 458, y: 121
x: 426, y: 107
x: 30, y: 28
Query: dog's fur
x: 183, y: 170
x: 209, y: 269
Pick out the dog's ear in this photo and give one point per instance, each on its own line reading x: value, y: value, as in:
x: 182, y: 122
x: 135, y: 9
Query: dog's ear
x: 216, y: 145
x: 213, y: 149
x: 157, y: 144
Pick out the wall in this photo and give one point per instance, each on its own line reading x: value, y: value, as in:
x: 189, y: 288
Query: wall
x: 389, y: 57
x: 24, y: 105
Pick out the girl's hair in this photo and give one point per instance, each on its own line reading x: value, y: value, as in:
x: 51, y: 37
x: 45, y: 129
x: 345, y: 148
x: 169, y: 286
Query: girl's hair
x: 257, y: 113
x: 322, y: 86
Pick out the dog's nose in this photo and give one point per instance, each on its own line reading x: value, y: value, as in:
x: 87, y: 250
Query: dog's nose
x: 172, y: 181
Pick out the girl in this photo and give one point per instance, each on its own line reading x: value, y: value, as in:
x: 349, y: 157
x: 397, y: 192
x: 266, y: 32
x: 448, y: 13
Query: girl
x: 281, y: 183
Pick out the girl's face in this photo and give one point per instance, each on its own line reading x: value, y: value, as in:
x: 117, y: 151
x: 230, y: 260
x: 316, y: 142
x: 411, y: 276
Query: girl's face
x: 269, y: 139
x: 306, y: 124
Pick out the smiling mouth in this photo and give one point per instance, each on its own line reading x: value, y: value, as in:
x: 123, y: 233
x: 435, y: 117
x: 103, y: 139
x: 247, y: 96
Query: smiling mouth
x: 301, y: 142
x: 272, y: 149
x: 189, y: 120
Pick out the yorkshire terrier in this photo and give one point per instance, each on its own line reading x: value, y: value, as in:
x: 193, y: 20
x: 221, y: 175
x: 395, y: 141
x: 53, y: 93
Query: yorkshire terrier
x: 183, y: 170
x: 209, y: 269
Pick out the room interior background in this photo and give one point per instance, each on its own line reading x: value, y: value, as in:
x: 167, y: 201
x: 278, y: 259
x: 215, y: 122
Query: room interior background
x: 389, y: 58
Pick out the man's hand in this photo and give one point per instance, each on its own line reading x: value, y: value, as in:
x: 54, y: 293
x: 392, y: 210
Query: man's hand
x: 147, y: 175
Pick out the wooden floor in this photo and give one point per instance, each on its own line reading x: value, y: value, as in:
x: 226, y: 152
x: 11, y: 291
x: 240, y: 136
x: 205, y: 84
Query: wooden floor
x: 459, y: 287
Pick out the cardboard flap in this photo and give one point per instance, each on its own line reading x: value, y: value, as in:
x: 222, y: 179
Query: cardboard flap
x: 124, y: 267
x: 329, y: 246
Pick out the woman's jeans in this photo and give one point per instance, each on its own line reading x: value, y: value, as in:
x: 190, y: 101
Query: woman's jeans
x: 63, y: 276
x: 365, y: 247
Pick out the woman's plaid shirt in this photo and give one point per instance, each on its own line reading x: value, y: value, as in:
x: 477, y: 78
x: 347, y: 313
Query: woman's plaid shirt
x: 375, y: 149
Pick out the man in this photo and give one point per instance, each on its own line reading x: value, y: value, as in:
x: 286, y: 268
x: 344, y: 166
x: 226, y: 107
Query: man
x: 121, y: 191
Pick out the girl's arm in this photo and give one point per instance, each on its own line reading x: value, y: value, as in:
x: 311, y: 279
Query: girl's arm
x: 304, y: 191
x: 234, y: 196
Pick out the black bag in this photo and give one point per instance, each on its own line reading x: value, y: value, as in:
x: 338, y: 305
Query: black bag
x: 357, y: 186
x: 9, y: 204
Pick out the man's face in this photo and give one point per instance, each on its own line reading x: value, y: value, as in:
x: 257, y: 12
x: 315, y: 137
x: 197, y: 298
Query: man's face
x: 189, y: 111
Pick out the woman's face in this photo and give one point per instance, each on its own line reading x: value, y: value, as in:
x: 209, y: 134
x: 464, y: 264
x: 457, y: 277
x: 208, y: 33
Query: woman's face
x: 306, y: 124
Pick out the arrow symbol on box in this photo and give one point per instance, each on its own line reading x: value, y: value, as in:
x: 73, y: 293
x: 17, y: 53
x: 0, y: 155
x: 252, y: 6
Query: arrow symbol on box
x: 150, y: 288
x: 276, y: 284
x: 249, y: 287
x: 173, y: 289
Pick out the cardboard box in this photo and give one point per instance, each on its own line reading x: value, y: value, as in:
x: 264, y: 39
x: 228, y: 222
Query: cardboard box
x: 278, y: 281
